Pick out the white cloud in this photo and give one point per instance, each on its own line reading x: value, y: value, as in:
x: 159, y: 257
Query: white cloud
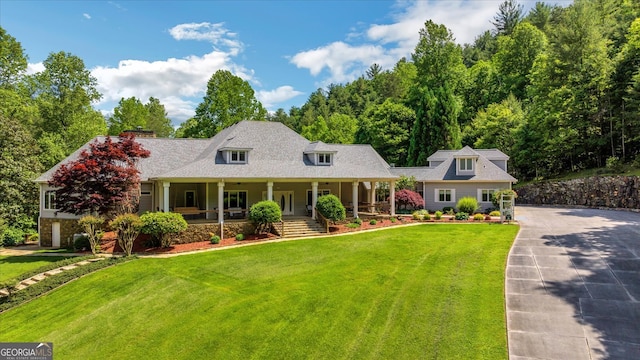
x: 86, y: 16
x: 281, y: 94
x: 385, y: 44
x: 173, y: 81
x: 217, y: 34
x: 34, y: 68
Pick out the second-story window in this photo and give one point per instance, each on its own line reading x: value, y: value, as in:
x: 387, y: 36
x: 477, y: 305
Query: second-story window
x: 238, y: 156
x: 324, y: 159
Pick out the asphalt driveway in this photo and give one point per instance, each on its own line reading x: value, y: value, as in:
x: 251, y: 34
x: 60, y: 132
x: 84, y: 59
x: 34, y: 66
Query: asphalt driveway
x: 573, y: 285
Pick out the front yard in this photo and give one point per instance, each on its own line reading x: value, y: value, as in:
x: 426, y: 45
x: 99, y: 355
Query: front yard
x: 411, y: 292
x: 12, y: 266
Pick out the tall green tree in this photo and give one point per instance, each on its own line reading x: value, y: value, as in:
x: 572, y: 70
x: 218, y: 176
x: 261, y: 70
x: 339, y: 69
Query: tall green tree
x: 515, y: 57
x: 539, y: 15
x: 440, y: 73
x: 337, y: 129
x: 509, y: 15
x: 128, y: 115
x: 19, y: 166
x: 568, y: 85
x: 228, y: 100
x: 496, y: 126
x: 157, y: 119
x: 386, y: 127
x: 13, y: 61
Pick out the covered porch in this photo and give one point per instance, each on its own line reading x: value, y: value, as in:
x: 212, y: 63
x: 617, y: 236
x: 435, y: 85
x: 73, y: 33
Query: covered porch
x: 230, y: 199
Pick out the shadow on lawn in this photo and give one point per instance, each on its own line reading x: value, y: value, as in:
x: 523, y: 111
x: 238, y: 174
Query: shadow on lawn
x: 605, y: 292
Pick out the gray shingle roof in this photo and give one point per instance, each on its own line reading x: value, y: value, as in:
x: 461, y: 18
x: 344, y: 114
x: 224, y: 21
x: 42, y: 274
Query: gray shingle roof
x: 277, y: 153
x: 485, y: 170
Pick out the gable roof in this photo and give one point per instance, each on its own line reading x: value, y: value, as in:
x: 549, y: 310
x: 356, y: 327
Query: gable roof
x: 277, y: 152
x: 485, y: 170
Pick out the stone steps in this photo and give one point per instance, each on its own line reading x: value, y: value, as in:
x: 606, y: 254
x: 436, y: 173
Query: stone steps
x: 302, y: 228
x: 39, y: 277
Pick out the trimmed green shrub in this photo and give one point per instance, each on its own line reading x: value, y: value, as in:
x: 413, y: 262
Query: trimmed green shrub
x: 331, y: 208
x: 421, y: 215
x: 83, y: 243
x: 128, y: 227
x: 357, y: 221
x: 494, y: 213
x: 239, y: 237
x: 162, y: 226
x: 393, y: 219
x: 352, y: 225
x: 215, y: 239
x: 495, y: 199
x: 92, y: 225
x: 264, y: 214
x: 12, y: 237
x: 462, y: 216
x: 438, y: 215
x: 373, y: 222
x: 478, y: 217
x: 467, y: 205
x: 448, y: 210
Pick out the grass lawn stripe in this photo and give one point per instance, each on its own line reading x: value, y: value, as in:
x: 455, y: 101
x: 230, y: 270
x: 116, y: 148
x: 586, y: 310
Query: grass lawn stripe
x: 405, y: 293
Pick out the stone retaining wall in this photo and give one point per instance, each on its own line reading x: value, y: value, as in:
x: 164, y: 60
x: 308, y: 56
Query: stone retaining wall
x: 202, y: 232
x: 621, y: 192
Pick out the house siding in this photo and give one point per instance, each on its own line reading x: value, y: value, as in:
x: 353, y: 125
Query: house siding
x: 461, y: 190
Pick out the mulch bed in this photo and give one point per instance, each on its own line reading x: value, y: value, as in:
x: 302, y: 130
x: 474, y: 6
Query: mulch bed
x: 110, y: 245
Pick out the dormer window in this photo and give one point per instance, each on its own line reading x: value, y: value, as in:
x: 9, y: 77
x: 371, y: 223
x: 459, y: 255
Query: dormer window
x: 465, y: 164
x: 238, y: 156
x: 324, y: 159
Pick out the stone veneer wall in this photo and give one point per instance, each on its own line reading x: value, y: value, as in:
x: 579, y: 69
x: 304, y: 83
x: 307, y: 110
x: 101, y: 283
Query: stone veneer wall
x: 202, y: 232
x: 597, y: 192
x: 68, y: 227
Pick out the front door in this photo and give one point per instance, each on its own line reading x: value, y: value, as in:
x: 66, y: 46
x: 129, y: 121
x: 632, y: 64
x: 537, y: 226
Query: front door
x: 285, y: 200
x: 189, y: 198
x: 55, y: 235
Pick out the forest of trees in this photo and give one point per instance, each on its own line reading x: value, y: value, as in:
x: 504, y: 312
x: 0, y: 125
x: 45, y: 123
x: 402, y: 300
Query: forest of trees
x: 557, y: 89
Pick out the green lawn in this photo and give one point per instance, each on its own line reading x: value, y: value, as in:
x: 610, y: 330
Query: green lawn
x: 12, y: 266
x: 429, y: 291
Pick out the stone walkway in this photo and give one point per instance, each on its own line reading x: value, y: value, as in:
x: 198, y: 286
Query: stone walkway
x: 39, y: 277
x: 573, y: 285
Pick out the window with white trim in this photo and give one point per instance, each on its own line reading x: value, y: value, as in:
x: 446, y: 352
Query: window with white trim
x: 465, y: 164
x: 238, y: 156
x: 50, y: 200
x: 445, y: 195
x: 485, y: 195
x: 324, y: 159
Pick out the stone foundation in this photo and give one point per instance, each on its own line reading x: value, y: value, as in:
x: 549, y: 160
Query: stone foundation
x: 202, y: 232
x: 68, y: 227
x: 622, y: 192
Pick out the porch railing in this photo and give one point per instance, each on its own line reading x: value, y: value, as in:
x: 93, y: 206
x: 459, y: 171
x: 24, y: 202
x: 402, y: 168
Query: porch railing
x: 322, y: 220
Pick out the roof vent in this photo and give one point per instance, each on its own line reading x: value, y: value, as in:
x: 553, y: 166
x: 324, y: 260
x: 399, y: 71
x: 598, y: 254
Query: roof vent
x: 392, y: 165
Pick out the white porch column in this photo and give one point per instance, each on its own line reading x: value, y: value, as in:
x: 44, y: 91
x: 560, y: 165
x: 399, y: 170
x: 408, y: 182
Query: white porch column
x: 373, y: 196
x: 221, y: 202
x: 165, y: 196
x: 270, y: 190
x: 392, y: 197
x: 314, y: 198
x: 355, y: 198
x: 424, y: 194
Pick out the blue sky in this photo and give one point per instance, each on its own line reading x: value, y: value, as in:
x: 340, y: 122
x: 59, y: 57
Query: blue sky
x: 284, y: 49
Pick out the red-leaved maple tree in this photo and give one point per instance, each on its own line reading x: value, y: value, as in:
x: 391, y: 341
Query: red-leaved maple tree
x: 406, y: 197
x: 103, y: 179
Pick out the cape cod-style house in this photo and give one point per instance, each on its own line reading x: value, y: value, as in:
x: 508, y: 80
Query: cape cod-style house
x: 220, y: 178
